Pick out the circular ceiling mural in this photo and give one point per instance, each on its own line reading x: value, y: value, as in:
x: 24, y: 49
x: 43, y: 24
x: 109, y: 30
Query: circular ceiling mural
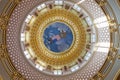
x: 58, y: 37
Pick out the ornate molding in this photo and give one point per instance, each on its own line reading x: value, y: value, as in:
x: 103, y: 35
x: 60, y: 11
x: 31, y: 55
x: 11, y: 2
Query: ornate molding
x: 102, y: 3
x: 117, y: 75
x: 66, y: 17
x: 4, y: 19
x: 118, y: 2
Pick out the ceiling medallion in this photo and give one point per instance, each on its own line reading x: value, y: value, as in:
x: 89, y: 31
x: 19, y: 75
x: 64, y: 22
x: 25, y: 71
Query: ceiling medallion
x: 54, y: 40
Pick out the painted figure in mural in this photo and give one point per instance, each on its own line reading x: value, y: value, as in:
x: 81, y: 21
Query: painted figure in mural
x: 58, y: 37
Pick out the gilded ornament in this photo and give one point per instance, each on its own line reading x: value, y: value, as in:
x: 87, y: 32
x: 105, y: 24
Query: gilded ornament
x: 36, y: 37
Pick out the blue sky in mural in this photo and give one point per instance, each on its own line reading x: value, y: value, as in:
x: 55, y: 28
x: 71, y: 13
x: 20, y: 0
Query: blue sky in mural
x: 58, y: 37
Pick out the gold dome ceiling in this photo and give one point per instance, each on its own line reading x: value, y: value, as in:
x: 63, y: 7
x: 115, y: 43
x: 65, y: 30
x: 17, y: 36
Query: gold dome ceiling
x: 34, y: 38
x: 91, y: 54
